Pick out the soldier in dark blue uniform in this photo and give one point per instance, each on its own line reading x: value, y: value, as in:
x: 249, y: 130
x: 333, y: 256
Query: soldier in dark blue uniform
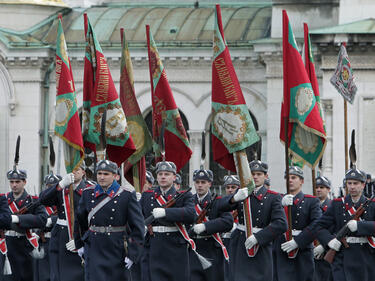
x: 65, y: 263
x: 21, y: 242
x: 268, y: 222
x: 5, y: 222
x: 305, y: 211
x: 322, y: 268
x: 104, y: 212
x: 357, y: 261
x: 42, y: 266
x: 166, y: 254
x: 231, y: 184
x: 206, y: 234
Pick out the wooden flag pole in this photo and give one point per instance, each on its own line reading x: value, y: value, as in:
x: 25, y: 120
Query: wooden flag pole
x: 313, y: 181
x: 290, y: 226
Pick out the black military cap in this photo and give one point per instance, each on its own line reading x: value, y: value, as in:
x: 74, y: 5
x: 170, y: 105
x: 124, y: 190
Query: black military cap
x: 257, y: 165
x: 295, y: 170
x: 167, y: 166
x: 178, y: 179
x: 229, y: 180
x: 106, y: 165
x: 355, y: 174
x: 368, y: 176
x: 52, y: 179
x: 17, y: 175
x: 150, y: 177
x: 203, y: 174
x: 323, y: 181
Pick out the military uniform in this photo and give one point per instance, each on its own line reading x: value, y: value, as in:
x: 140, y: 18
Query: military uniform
x: 209, y: 243
x: 103, y: 217
x: 64, y: 265
x: 357, y: 261
x: 5, y: 222
x: 305, y: 211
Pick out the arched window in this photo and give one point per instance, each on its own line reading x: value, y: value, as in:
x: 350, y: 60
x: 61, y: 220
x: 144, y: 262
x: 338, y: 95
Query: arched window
x: 150, y: 159
x: 253, y: 152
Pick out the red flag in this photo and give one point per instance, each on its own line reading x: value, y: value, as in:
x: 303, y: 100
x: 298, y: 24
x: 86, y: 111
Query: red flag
x: 100, y: 96
x: 232, y: 126
x: 164, y: 109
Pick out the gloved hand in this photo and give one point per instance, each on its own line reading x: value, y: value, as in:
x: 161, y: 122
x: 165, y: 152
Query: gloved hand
x: 251, y: 242
x: 49, y: 222
x: 289, y: 246
x: 158, y: 213
x: 287, y: 200
x: 81, y: 252
x: 128, y: 263
x: 318, y: 252
x: 70, y: 246
x: 353, y: 225
x: 15, y: 219
x: 199, y: 228
x: 241, y: 194
x: 334, y: 244
x: 67, y: 180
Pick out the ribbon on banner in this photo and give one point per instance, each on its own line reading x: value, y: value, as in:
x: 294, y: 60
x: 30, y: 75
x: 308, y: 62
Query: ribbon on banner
x: 291, y: 254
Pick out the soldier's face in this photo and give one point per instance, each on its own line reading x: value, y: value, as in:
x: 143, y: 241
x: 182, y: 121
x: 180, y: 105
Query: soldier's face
x: 78, y: 174
x: 295, y: 183
x: 231, y: 189
x: 322, y: 192
x: 259, y: 178
x: 165, y: 179
x: 17, y: 186
x: 105, y: 178
x: 202, y: 186
x: 355, y: 188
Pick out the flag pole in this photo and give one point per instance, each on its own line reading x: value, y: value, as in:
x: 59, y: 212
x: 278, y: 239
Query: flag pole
x: 346, y: 135
x: 290, y: 226
x: 313, y: 181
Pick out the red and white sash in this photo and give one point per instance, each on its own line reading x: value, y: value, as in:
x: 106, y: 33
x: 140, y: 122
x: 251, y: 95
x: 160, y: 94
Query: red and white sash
x: 66, y: 197
x: 31, y: 236
x: 291, y: 254
x: 352, y: 211
x: 249, y: 225
x: 215, y: 236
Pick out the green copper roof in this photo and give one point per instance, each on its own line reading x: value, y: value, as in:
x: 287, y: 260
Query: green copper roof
x: 176, y: 25
x: 365, y: 26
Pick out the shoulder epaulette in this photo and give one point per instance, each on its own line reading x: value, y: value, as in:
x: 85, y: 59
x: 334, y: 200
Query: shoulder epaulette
x: 34, y: 197
x: 149, y: 191
x: 89, y: 187
x: 337, y: 199
x: 90, y: 183
x: 128, y: 188
x: 2, y: 194
x: 310, y: 196
x: 272, y: 192
x: 219, y: 197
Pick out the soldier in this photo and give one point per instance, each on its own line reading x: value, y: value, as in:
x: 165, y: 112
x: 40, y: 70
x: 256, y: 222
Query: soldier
x: 206, y: 234
x: 231, y: 184
x: 268, y: 222
x: 369, y: 188
x: 5, y: 222
x: 305, y: 211
x: 357, y: 261
x: 178, y: 182
x: 104, y: 212
x: 22, y: 243
x: 166, y: 254
x: 65, y: 264
x: 149, y: 181
x: 322, y: 268
x: 42, y: 266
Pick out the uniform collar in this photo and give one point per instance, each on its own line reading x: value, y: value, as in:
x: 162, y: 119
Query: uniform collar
x: 204, y: 201
x: 168, y: 196
x: 20, y: 200
x: 349, y: 203
x: 260, y: 193
x: 111, y: 191
x: 298, y: 198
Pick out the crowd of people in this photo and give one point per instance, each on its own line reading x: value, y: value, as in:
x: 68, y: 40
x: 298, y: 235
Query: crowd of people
x: 77, y: 229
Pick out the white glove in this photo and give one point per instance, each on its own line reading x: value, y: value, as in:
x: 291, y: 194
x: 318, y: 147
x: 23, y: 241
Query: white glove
x: 128, y: 263
x: 15, y: 219
x: 334, y: 244
x: 81, y: 252
x: 241, y: 194
x: 353, y: 225
x: 318, y: 252
x: 70, y: 246
x: 199, y: 228
x: 289, y: 246
x: 67, y: 180
x: 158, y: 213
x: 287, y: 200
x: 250, y: 242
x: 138, y: 195
x: 49, y: 222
